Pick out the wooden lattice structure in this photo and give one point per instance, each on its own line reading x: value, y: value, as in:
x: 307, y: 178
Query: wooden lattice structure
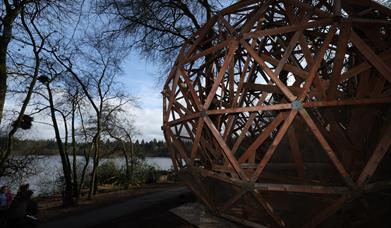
x: 277, y: 113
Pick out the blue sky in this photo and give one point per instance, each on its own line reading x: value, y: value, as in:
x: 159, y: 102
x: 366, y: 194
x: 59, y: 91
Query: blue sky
x: 139, y: 77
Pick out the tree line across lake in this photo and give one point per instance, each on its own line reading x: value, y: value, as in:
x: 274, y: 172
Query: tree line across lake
x: 110, y: 148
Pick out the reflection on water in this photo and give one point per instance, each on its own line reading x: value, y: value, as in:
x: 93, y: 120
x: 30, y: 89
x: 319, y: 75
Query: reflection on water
x: 49, y: 169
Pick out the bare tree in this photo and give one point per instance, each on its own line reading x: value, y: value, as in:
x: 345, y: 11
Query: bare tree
x: 157, y: 28
x: 119, y: 127
x: 24, y: 32
x: 86, y: 139
x: 52, y: 76
x: 36, y: 40
x: 94, y: 67
x: 16, y: 20
x: 67, y: 194
x: 9, y: 12
x: 74, y: 98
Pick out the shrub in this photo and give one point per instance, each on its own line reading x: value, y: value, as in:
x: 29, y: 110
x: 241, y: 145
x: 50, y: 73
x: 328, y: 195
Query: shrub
x: 144, y: 173
x: 108, y: 173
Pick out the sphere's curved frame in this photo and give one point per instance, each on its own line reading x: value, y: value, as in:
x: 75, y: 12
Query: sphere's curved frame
x: 278, y: 112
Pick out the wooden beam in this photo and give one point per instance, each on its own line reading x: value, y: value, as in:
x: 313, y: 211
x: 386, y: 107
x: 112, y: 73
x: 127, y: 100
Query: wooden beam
x: 268, y: 154
x: 377, y: 156
x: 345, y: 102
x: 316, y: 189
x: 326, y: 212
x: 371, y: 57
x: 222, y: 72
x: 327, y: 148
x: 295, y: 151
x: 227, y: 152
x: 271, y: 74
x: 261, y: 138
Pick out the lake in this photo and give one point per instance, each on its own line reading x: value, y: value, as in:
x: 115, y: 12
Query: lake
x: 48, y: 169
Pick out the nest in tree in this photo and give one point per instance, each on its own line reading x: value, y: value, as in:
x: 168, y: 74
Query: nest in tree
x: 43, y: 79
x: 25, y: 122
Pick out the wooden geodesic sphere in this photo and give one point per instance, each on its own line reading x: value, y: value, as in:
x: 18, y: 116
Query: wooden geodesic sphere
x: 277, y: 113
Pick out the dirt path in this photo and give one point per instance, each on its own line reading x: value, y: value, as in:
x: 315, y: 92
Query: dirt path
x: 150, y: 210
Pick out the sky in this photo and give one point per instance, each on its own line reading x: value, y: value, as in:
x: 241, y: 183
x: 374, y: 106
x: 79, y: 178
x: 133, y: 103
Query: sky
x: 139, y: 77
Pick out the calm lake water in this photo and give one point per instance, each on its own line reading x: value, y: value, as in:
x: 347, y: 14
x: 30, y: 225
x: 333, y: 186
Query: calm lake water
x: 49, y: 169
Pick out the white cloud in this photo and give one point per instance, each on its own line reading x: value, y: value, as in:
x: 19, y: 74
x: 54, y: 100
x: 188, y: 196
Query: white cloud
x: 148, y: 121
x: 140, y: 77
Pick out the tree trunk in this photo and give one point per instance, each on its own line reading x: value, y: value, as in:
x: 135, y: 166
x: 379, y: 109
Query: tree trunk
x: 3, y: 83
x: 84, y: 171
x: 93, y: 183
x: 22, y: 109
x: 67, y: 199
x: 86, y: 155
x: 74, y: 162
x: 131, y: 162
x: 65, y: 144
x: 127, y: 173
x: 5, y: 39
